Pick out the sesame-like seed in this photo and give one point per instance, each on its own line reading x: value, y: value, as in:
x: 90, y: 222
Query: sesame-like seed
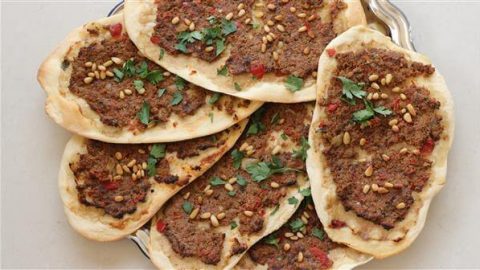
x: 207, y: 188
x: 117, y: 60
x: 200, y: 199
x: 299, y: 235
x: 393, y: 122
x: 250, y: 152
x: 285, y: 1
x: 167, y: 74
x: 144, y: 165
x: 118, y: 198
x: 118, y: 169
x: 240, y: 6
x: 388, y: 185
x: 293, y: 9
x: 88, y: 80
x: 384, y: 95
x: 281, y: 121
x: 395, y: 128
x: 311, y: 18
x: 306, y: 214
x: 275, y: 55
x: 118, y: 155
x: 411, y: 109
x: 221, y: 215
x: 366, y: 188
x: 232, y: 180
x: 191, y: 27
x: 103, y: 75
x: 108, y: 63
x: 264, y: 47
x: 209, y: 192
x: 281, y: 44
x: 274, y: 185
x: 404, y: 110
x: 214, y: 221
x: 88, y: 64
x: 304, y: 219
x: 374, y: 187
x: 134, y: 177
x: 416, y: 151
x: 288, y: 234
x: 271, y: 6
x: 286, y: 247
x: 229, y: 16
x: 102, y: 68
x: 301, y: 15
x: 131, y: 163
x: 294, y: 238
x: 375, y: 96
x: 264, y: 40
x: 186, y: 196
x: 383, y: 81
x: 121, y: 95
x: 248, y: 213
x: 363, y: 141
x: 276, y: 149
x: 205, y: 215
x: 194, y: 213
x: 94, y: 66
x: 278, y: 18
x: 346, y: 138
x: 306, y: 51
x: 209, y: 49
x: 385, y: 157
x: 300, y: 257
x: 97, y: 74
x: 382, y: 190
x: 369, y: 96
x: 117, y: 177
x: 128, y: 91
x: 109, y: 73
x: 244, y: 146
x: 241, y: 13
x: 270, y: 23
x: 247, y: 20
x: 375, y: 86
x: 388, y: 78
x: 396, y: 89
x: 141, y: 151
x: 259, y: 14
x: 91, y: 74
x: 228, y: 187
x: 403, y: 150
x: 175, y: 20
x: 126, y: 169
x: 373, y: 77
x: 403, y: 96
x: 269, y: 38
x: 280, y: 28
x: 187, y: 21
x: 400, y: 205
x: 407, y: 117
x: 369, y: 171
x: 302, y: 29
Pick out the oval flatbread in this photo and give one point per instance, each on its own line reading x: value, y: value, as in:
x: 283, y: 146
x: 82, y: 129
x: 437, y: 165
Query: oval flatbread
x: 101, y: 87
x: 257, y: 50
x: 248, y: 194
x: 111, y: 190
x: 380, y: 135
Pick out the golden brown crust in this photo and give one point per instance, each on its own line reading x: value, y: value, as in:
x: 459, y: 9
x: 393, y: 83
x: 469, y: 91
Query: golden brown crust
x: 360, y: 234
x: 140, y: 19
x: 94, y: 224
x: 74, y: 114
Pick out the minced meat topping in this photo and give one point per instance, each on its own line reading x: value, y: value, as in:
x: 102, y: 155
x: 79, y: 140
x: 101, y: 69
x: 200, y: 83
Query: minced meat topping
x: 379, y: 130
x: 238, y: 189
x: 283, y: 37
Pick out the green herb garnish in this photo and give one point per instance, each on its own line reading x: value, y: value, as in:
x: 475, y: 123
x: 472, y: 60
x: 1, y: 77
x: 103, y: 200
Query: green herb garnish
x: 223, y: 71
x: 306, y: 192
x: 157, y: 152
x: 214, y: 98
x: 292, y: 200
x: 180, y: 83
x: 233, y: 225
x: 144, y: 113
x: 320, y: 234
x: 177, y: 98
x: 263, y: 170
x: 241, y: 180
x: 351, y: 89
x: 231, y: 193
x: 275, y: 210
x: 161, y: 91
x: 271, y: 240
x: 237, y: 86
x: 294, y: 83
x: 217, y: 181
x: 138, y: 84
x: 237, y: 158
x: 369, y: 112
x: 187, y: 207
x: 302, y: 152
x: 256, y: 126
x: 296, y: 225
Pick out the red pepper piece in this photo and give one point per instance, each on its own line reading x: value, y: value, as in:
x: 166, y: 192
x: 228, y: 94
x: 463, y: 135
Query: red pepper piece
x: 161, y: 226
x: 155, y: 40
x: 110, y: 185
x: 331, y: 52
x: 115, y: 29
x: 428, y: 146
x: 336, y: 224
x: 257, y: 70
x: 332, y: 107
x: 322, y: 257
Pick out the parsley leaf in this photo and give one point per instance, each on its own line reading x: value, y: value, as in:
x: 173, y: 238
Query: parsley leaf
x: 144, y: 113
x: 369, y: 112
x: 212, y: 20
x: 220, y: 47
x: 275, y: 119
x: 292, y: 200
x: 151, y: 163
x: 210, y: 114
x: 275, y: 210
x: 237, y: 158
x: 118, y: 74
x: 231, y: 193
x: 351, y: 89
x: 129, y: 68
x: 158, y: 151
x: 284, y: 136
x: 187, y: 207
x: 382, y: 110
x: 237, y: 86
x: 302, y: 152
x: 228, y: 27
x: 241, y: 181
x: 294, y: 83
x: 320, y: 234
x: 180, y: 83
x: 217, y: 181
x: 223, y: 71
x: 214, y: 98
x: 296, y: 225
x: 256, y: 125
x: 186, y: 37
x: 177, y: 98
x: 306, y: 192
x: 233, y: 225
x: 142, y: 70
x: 138, y: 84
x: 263, y: 170
x: 162, y: 54
x: 161, y: 91
x: 272, y: 240
x: 154, y: 76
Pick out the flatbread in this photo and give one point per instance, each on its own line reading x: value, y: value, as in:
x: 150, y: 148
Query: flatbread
x: 75, y: 114
x: 140, y: 19
x: 359, y: 233
x: 160, y: 248
x: 95, y: 224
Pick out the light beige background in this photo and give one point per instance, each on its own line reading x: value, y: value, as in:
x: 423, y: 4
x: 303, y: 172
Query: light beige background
x: 34, y: 231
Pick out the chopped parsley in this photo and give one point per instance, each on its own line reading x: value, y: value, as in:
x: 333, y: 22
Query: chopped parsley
x: 223, y: 71
x: 187, y: 207
x: 296, y: 225
x: 256, y: 126
x: 275, y: 210
x: 237, y: 86
x: 161, y: 91
x: 220, y: 47
x: 144, y: 113
x: 118, y: 74
x: 272, y: 240
x: 214, y: 98
x: 217, y: 181
x: 275, y: 119
x: 237, y: 158
x: 138, y: 84
x: 292, y: 200
x: 154, y: 76
x: 302, y: 152
x: 129, y: 68
x: 350, y: 89
x: 263, y: 170
x: 233, y: 225
x: 210, y: 114
x: 180, y: 83
x: 162, y: 54
x: 142, y: 70
x: 294, y: 83
x: 284, y: 136
x: 157, y: 152
x: 177, y: 98
x: 186, y: 37
x: 306, y: 192
x: 232, y: 193
x: 320, y: 234
x: 369, y: 112
x: 241, y: 181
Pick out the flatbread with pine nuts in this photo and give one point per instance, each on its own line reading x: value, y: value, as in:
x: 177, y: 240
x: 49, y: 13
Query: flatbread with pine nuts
x: 245, y: 196
x: 252, y: 49
x: 101, y: 87
x: 380, y: 136
x: 111, y: 190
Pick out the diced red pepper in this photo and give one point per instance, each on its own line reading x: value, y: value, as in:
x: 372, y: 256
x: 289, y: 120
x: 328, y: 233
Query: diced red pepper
x: 332, y: 107
x: 336, y: 224
x: 115, y: 29
x: 161, y: 226
x: 261, y: 211
x: 396, y: 104
x: 331, y: 52
x: 110, y: 185
x: 155, y: 40
x: 257, y: 70
x: 322, y: 257
x: 428, y: 146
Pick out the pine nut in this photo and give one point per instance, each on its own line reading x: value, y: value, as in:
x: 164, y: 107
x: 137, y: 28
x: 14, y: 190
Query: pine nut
x: 373, y: 77
x: 205, y: 215
x: 274, y: 185
x: 302, y: 29
x: 400, y: 205
x: 388, y: 78
x: 175, y: 20
x: 88, y: 80
x: 363, y: 141
x: 280, y: 28
x: 194, y: 213
x: 118, y: 198
x: 375, y: 86
x: 286, y: 247
x: 407, y: 117
x: 369, y: 171
x: 248, y: 213
x: 411, y: 110
x: 346, y: 138
x: 214, y: 221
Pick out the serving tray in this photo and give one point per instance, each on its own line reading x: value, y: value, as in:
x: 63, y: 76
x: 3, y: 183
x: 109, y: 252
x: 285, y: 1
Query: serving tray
x: 381, y: 15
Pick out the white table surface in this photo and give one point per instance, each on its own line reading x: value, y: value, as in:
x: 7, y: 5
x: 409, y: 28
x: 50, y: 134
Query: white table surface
x: 34, y: 230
